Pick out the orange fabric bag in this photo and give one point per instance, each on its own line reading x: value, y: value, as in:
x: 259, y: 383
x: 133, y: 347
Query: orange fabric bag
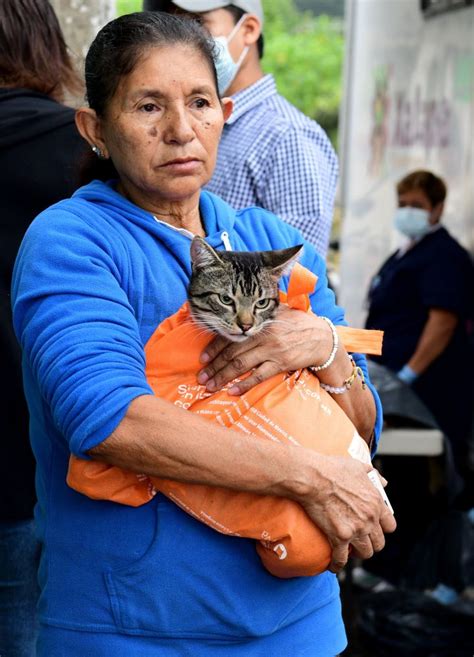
x: 288, y: 408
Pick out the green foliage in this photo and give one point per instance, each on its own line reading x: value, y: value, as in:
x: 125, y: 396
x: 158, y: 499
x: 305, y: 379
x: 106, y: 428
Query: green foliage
x: 128, y: 6
x: 280, y: 14
x: 303, y: 52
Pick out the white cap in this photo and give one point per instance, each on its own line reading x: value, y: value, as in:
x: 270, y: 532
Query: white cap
x: 198, y: 6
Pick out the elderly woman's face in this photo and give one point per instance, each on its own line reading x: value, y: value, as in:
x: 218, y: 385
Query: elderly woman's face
x: 163, y: 125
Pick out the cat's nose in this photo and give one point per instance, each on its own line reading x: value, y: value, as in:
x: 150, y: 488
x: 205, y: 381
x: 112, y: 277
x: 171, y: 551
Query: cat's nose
x: 244, y: 327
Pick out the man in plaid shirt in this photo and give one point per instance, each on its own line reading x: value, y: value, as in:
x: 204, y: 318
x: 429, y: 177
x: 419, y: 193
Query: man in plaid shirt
x: 271, y: 155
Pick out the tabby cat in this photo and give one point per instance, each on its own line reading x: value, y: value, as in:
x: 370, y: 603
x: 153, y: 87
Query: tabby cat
x: 235, y: 293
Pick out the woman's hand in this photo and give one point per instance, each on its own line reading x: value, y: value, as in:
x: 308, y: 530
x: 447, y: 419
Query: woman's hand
x: 295, y: 340
x: 347, y: 507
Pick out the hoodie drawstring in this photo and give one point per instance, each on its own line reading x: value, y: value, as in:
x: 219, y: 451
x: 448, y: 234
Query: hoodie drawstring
x: 226, y: 241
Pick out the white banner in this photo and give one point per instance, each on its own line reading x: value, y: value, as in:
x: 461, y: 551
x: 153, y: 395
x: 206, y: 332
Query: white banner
x: 409, y: 105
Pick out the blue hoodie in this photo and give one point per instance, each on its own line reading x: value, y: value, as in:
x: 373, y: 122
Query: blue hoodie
x: 94, y: 277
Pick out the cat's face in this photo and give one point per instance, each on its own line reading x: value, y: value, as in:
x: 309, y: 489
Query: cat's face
x: 236, y: 293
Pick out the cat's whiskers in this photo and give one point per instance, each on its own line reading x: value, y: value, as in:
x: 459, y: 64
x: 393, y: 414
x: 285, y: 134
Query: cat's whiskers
x: 207, y: 323
x: 283, y: 322
x: 192, y: 322
x: 196, y: 329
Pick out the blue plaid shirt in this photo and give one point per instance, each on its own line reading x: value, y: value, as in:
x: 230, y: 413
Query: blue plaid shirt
x: 273, y: 156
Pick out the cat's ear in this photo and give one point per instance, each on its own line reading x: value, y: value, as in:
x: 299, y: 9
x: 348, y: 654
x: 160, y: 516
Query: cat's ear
x: 203, y: 255
x: 281, y: 260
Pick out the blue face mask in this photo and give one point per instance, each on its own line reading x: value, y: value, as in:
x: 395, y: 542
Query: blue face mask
x: 226, y: 68
x: 412, y: 222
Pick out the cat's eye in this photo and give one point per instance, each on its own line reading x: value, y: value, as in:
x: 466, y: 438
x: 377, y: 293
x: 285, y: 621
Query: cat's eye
x: 226, y: 299
x: 262, y: 303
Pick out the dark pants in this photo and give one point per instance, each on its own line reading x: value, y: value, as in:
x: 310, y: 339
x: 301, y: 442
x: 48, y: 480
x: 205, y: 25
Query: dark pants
x: 19, y: 555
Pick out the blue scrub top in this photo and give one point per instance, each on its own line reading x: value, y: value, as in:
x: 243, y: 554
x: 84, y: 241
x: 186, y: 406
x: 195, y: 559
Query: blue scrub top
x: 435, y: 273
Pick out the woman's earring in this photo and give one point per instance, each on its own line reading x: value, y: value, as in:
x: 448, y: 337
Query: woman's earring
x: 98, y: 152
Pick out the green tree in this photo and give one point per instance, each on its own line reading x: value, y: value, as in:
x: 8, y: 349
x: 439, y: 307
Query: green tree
x: 305, y: 54
x: 128, y: 6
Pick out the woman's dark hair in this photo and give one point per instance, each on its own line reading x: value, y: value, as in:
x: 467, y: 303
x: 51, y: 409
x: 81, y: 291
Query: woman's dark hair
x: 433, y: 187
x: 33, y: 53
x: 116, y: 51
x: 120, y: 45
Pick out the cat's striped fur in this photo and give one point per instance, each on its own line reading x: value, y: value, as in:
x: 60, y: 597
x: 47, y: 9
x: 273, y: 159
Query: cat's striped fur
x: 235, y: 293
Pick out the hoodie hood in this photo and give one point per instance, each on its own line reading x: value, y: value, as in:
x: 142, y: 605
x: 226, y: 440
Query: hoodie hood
x: 26, y: 114
x: 217, y: 216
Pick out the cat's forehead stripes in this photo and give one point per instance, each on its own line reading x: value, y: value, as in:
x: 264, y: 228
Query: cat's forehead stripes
x: 246, y: 279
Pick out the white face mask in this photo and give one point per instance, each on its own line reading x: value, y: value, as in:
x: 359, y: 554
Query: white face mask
x: 226, y: 68
x: 412, y: 222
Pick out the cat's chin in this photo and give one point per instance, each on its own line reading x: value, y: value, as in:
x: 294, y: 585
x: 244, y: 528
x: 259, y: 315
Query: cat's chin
x: 235, y: 337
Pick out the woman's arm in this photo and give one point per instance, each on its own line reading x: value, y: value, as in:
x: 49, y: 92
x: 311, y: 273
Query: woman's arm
x: 159, y: 439
x: 436, y: 335
x: 295, y: 341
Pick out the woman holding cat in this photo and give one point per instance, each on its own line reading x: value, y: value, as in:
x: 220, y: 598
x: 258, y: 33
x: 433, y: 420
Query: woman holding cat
x: 96, y: 274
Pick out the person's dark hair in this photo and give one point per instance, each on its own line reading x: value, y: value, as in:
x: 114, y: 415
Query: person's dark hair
x: 237, y: 14
x: 433, y: 187
x: 116, y: 51
x: 33, y: 53
x: 119, y: 46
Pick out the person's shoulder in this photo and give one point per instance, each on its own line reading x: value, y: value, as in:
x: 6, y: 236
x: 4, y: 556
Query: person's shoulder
x: 33, y: 118
x: 69, y: 129
x: 63, y: 216
x: 39, y: 106
x: 71, y: 226
x: 290, y: 111
x: 293, y: 116
x: 448, y: 246
x: 293, y: 129
x: 68, y: 215
x: 275, y: 113
x: 263, y: 230
x: 255, y: 217
x: 277, y: 123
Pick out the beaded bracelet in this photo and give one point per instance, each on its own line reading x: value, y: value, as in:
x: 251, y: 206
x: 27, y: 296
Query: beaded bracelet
x: 347, y: 383
x: 335, y: 345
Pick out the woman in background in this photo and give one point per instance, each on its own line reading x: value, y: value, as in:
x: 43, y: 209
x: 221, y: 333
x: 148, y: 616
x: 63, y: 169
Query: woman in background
x: 39, y: 146
x: 422, y: 298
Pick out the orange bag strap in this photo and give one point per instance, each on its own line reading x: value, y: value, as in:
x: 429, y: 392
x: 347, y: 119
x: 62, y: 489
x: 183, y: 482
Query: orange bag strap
x: 301, y: 284
x: 361, y: 341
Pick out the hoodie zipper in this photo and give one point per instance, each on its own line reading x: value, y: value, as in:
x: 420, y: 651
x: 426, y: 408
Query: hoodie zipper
x: 226, y: 241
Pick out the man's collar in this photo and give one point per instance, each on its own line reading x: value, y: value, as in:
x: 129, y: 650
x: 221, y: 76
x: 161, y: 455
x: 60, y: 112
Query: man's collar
x: 252, y: 96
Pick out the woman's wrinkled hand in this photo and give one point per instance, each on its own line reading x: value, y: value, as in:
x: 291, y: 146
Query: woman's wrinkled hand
x: 293, y: 341
x: 348, y: 508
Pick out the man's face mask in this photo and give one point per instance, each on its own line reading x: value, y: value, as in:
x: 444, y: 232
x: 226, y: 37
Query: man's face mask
x: 226, y: 68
